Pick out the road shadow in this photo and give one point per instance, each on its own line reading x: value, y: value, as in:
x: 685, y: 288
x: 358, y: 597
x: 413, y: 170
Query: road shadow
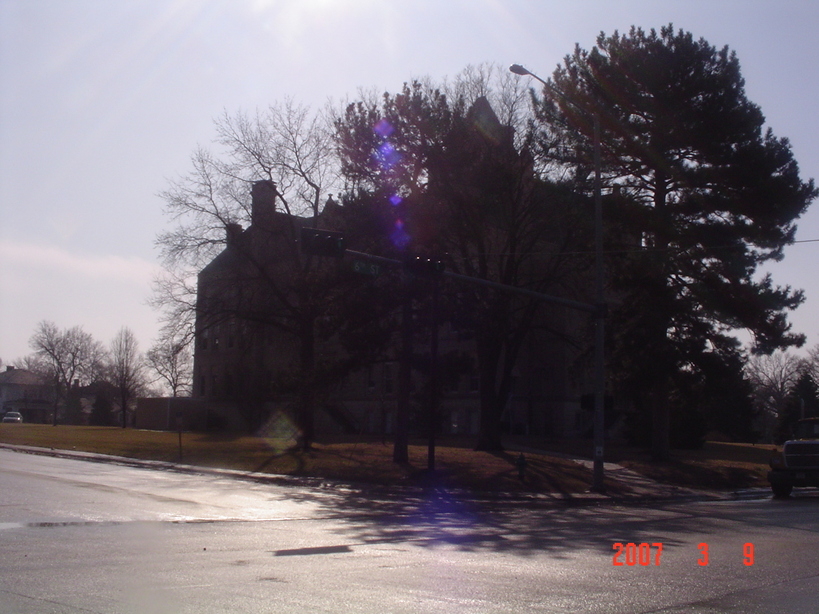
x: 434, y: 517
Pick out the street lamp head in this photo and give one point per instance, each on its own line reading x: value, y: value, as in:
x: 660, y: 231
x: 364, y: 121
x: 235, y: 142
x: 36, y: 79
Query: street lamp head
x: 519, y: 70
x: 525, y: 72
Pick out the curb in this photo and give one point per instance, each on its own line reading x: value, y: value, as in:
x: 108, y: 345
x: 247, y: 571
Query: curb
x: 672, y: 494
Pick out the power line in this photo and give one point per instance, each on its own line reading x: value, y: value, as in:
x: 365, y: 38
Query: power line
x: 642, y: 250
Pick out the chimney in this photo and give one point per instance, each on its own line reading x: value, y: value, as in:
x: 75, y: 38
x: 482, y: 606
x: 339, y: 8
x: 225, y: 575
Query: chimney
x: 232, y: 232
x: 263, y: 202
x: 9, y: 367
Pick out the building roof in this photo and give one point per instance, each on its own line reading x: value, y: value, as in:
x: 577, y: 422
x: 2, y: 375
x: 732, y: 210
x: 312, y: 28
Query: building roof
x: 20, y: 377
x: 264, y: 234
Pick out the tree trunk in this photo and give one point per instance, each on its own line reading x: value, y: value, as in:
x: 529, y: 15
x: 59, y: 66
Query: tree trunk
x: 489, y: 436
x: 660, y: 407
x: 433, y: 380
x: 400, y: 452
x: 660, y: 422
x: 307, y: 367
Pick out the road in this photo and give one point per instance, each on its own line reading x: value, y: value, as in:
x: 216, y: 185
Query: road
x: 80, y: 537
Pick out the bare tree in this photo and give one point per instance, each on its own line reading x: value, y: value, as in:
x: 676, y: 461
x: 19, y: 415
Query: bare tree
x: 811, y: 364
x: 508, y: 95
x: 288, y: 144
x: 70, y: 355
x: 34, y: 363
x: 170, y: 358
x: 286, y: 148
x: 773, y: 377
x: 126, y: 369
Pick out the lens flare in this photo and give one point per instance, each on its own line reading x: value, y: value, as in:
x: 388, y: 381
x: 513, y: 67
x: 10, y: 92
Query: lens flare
x: 279, y: 432
x: 389, y: 155
x: 383, y: 128
x: 399, y: 236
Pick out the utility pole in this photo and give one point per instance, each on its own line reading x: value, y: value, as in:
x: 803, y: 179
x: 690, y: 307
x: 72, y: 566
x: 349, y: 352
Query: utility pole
x: 598, y: 484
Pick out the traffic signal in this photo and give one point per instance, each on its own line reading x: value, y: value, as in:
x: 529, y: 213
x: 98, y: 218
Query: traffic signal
x: 322, y: 242
x: 424, y: 267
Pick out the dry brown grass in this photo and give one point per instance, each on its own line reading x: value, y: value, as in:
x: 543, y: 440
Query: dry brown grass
x: 717, y: 466
x: 366, y: 460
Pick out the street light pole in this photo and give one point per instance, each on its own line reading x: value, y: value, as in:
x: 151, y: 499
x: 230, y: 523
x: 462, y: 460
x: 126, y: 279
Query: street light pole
x: 598, y: 484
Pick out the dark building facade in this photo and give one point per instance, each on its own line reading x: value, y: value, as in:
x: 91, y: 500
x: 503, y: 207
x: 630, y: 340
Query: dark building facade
x: 247, y: 349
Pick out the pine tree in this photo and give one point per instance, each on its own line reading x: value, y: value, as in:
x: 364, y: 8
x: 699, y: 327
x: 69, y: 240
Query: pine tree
x: 707, y: 195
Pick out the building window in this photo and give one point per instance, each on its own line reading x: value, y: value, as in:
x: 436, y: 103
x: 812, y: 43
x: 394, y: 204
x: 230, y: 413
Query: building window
x: 452, y: 385
x: 231, y: 340
x: 202, y: 385
x: 228, y: 384
x: 388, y: 378
x: 370, y: 378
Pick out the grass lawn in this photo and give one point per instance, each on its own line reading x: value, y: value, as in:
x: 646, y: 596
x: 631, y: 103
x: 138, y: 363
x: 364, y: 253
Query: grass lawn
x: 718, y: 465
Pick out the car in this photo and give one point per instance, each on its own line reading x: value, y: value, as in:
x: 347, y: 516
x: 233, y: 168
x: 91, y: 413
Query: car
x: 13, y: 416
x: 798, y: 462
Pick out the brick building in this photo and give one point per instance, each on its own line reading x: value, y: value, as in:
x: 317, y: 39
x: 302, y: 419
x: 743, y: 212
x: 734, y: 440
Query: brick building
x: 245, y: 351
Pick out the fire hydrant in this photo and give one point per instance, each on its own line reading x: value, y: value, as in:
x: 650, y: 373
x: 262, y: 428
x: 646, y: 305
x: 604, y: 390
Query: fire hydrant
x: 520, y: 463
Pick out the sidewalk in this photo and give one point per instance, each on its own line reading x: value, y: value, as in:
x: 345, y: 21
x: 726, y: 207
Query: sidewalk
x: 642, y: 487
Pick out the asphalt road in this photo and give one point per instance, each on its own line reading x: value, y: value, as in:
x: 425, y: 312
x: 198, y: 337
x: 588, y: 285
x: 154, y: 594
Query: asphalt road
x: 88, y: 537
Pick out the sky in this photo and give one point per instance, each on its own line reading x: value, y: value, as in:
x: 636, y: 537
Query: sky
x: 102, y: 104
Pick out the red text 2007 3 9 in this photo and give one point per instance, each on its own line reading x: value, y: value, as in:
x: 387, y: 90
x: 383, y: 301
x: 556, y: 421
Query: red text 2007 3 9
x: 643, y: 554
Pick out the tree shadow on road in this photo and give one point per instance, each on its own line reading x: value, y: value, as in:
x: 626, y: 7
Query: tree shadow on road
x: 433, y: 517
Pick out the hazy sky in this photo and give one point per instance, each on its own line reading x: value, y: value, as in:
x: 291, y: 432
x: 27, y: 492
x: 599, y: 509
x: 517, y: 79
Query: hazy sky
x: 102, y: 102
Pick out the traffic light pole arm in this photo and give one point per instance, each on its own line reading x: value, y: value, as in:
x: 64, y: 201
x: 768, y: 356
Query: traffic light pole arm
x: 580, y: 306
x: 373, y: 258
x: 546, y: 298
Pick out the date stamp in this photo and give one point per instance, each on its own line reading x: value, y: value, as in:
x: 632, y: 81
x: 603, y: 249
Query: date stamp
x: 645, y: 554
